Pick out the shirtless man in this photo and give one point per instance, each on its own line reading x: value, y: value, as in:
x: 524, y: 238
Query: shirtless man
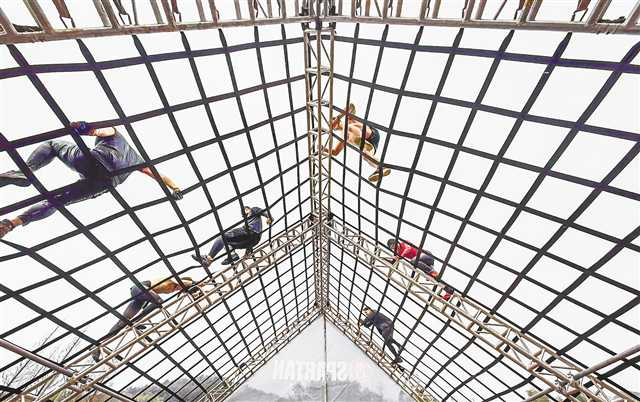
x: 371, y: 140
x: 111, y: 152
x: 145, y: 300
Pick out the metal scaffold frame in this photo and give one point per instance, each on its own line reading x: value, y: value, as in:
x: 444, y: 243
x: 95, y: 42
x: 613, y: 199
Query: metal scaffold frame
x: 80, y: 377
x: 168, y: 17
x: 541, y: 361
x: 77, y: 377
x: 318, y: 54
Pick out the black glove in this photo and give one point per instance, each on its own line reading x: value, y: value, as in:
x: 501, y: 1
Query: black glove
x: 177, y: 194
x: 81, y: 127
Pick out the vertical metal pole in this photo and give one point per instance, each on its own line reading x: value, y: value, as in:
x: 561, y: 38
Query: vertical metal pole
x: 156, y: 12
x: 318, y: 59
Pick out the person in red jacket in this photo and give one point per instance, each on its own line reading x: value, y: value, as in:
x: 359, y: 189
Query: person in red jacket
x: 423, y: 262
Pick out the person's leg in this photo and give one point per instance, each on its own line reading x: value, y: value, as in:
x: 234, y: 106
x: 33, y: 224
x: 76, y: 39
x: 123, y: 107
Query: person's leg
x: 387, y: 335
x: 238, y: 238
x: 79, y: 191
x: 66, y: 151
x: 132, y: 309
x: 230, y: 237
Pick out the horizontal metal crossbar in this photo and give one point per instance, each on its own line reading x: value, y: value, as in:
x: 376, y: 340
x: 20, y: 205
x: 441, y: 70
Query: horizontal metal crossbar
x: 540, y: 360
x: 472, y: 15
x: 132, y: 342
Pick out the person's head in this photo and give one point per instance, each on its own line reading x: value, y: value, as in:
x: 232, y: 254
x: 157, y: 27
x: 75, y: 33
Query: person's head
x: 367, y: 310
x: 391, y: 243
x: 247, y: 211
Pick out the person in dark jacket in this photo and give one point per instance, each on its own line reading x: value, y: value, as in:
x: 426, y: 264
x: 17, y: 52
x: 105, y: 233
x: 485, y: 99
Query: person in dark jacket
x: 384, y: 325
x: 110, y: 153
x: 245, y: 237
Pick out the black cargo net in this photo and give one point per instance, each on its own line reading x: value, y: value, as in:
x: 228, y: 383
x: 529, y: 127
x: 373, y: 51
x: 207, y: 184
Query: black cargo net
x: 483, y: 175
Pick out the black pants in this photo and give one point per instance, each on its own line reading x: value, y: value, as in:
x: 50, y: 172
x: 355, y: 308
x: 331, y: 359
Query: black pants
x: 386, y: 330
x: 147, y: 301
x: 424, y: 264
x: 241, y: 238
x: 90, y: 186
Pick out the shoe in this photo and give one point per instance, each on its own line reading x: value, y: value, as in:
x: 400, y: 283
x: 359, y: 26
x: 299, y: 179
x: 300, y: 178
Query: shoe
x: 233, y: 258
x: 5, y: 227
x: 449, y: 292
x: 202, y: 260
x: 375, y: 176
x: 96, y: 355
x: 397, y: 360
x: 14, y: 177
x: 433, y: 274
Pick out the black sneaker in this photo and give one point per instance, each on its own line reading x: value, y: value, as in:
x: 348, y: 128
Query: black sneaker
x: 203, y: 260
x: 96, y: 355
x: 397, y: 360
x: 233, y: 258
x: 14, y: 177
x: 5, y: 227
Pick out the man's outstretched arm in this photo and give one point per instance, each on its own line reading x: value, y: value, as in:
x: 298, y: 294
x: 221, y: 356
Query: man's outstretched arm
x: 176, y: 193
x: 84, y: 128
x: 267, y: 214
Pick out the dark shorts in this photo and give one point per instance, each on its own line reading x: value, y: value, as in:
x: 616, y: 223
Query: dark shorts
x: 374, y: 139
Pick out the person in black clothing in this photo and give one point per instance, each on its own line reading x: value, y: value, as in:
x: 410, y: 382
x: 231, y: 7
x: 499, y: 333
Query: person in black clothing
x: 245, y: 237
x: 385, y: 327
x: 110, y: 153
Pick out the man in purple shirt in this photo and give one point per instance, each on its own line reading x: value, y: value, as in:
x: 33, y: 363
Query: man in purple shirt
x: 110, y: 153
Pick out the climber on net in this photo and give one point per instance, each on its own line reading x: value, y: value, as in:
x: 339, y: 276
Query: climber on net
x: 245, y: 237
x: 385, y: 327
x: 110, y: 153
x: 368, y: 142
x: 424, y: 262
x: 145, y: 300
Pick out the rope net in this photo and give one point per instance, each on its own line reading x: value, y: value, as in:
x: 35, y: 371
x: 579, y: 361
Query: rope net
x: 517, y: 170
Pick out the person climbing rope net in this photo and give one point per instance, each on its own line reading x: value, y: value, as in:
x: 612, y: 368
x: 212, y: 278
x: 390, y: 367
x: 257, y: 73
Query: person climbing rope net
x: 111, y: 153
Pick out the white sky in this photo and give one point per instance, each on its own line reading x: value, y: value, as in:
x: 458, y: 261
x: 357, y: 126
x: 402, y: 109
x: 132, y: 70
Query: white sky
x: 590, y: 156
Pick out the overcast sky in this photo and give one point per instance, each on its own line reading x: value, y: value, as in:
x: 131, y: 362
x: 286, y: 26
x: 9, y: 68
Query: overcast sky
x: 590, y: 156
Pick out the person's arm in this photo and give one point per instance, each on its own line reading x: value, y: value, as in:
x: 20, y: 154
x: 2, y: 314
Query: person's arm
x: 84, y: 128
x: 267, y: 214
x: 176, y: 193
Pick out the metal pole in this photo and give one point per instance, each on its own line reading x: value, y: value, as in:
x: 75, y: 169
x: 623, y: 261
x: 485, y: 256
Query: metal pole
x: 590, y: 370
x: 53, y: 366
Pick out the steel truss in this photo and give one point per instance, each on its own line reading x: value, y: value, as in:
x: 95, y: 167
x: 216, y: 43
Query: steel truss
x: 540, y: 360
x: 81, y: 375
x: 168, y: 17
x: 318, y: 56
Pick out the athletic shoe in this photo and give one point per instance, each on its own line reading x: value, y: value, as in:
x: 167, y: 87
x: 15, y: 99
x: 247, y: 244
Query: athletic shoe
x: 203, y: 260
x: 397, y: 360
x: 96, y: 355
x: 234, y: 258
x: 375, y: 176
x: 14, y: 177
x: 5, y: 227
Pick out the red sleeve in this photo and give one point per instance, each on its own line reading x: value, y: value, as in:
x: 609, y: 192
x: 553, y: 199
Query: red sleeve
x: 404, y: 249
